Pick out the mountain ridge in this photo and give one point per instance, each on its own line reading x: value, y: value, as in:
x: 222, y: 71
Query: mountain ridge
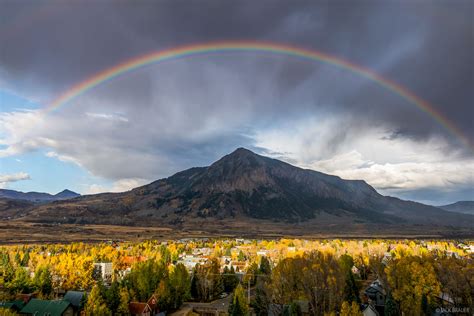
x: 246, y: 187
x: 37, y: 196
x: 464, y: 207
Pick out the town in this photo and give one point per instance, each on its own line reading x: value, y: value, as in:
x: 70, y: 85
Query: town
x: 238, y: 277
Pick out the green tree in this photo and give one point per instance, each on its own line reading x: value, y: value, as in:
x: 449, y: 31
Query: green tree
x: 43, y: 281
x: 145, y: 277
x: 112, y: 297
x: 26, y: 259
x: 391, y: 308
x: 238, y: 307
x: 230, y: 279
x: 265, y: 267
x: 241, y: 256
x: 163, y: 293
x: 261, y: 302
x: 21, y: 282
x: 122, y: 308
x: 96, y: 305
x: 180, y: 283
x: 351, y: 290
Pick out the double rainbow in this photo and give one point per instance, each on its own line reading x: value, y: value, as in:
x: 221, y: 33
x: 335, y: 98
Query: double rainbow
x: 259, y: 47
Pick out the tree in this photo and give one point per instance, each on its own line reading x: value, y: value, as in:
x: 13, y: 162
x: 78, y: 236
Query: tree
x: 122, y: 308
x: 43, y: 281
x: 265, y: 267
x: 163, y: 293
x: 208, y: 281
x: 262, y: 301
x: 238, y: 307
x: 391, y: 308
x: 456, y: 276
x: 351, y: 290
x: 145, y: 277
x: 26, y: 259
x: 230, y: 279
x: 314, y: 277
x: 21, y: 282
x: 241, y: 256
x: 96, y: 305
x: 350, y: 309
x: 112, y: 296
x: 180, y: 285
x: 410, y: 278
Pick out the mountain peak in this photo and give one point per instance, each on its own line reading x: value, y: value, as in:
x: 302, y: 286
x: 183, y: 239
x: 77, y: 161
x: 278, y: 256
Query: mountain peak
x: 66, y: 194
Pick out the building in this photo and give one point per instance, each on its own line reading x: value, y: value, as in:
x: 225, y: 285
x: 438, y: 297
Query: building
x: 39, y: 307
x: 77, y: 299
x: 139, y: 309
x: 369, y: 310
x: 14, y: 306
x: 104, y: 271
x: 376, y: 296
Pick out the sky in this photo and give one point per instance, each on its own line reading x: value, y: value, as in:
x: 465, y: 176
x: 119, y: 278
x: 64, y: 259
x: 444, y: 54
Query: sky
x: 162, y: 118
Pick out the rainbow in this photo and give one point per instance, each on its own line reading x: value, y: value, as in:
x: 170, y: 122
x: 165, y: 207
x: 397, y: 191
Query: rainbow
x: 251, y: 46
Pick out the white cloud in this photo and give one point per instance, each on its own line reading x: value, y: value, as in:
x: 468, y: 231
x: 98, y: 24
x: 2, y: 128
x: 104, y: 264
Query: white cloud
x: 7, y: 178
x: 121, y: 185
x: 387, y: 164
x: 63, y: 158
x: 105, y: 116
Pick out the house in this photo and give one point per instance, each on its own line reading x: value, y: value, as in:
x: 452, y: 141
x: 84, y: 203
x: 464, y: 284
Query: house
x: 39, y: 307
x: 369, y: 310
x: 376, y: 296
x: 139, y: 309
x: 153, y: 303
x: 25, y: 297
x: 76, y: 298
x: 376, y: 293
x: 14, y: 306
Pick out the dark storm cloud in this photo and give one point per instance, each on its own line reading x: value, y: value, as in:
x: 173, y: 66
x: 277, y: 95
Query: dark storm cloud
x: 426, y: 46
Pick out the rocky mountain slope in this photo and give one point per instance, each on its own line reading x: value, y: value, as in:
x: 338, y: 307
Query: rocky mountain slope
x: 466, y: 207
x: 244, y: 186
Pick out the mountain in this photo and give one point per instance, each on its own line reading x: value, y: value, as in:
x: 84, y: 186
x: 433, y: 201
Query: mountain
x: 37, y: 196
x: 244, y: 187
x: 66, y: 194
x: 465, y: 207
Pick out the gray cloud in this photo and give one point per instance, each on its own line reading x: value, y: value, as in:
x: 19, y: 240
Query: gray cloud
x: 189, y: 112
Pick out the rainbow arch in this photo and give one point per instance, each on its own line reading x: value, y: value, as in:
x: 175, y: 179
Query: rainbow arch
x: 251, y: 46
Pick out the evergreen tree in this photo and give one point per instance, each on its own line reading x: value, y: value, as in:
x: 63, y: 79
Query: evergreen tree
x: 230, y: 279
x: 96, y: 305
x: 122, y: 308
x: 163, y: 293
x: 351, y: 290
x: 238, y: 307
x: 261, y: 302
x: 112, y: 297
x: 390, y: 306
x: 26, y: 259
x: 180, y: 285
x: 21, y: 282
x: 43, y: 281
x: 265, y: 267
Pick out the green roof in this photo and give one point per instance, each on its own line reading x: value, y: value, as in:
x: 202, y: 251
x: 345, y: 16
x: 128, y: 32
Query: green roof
x: 41, y: 307
x: 12, y: 304
x: 74, y: 297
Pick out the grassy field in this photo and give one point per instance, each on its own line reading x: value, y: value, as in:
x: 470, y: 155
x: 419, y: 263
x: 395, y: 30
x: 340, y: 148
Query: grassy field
x: 28, y: 232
